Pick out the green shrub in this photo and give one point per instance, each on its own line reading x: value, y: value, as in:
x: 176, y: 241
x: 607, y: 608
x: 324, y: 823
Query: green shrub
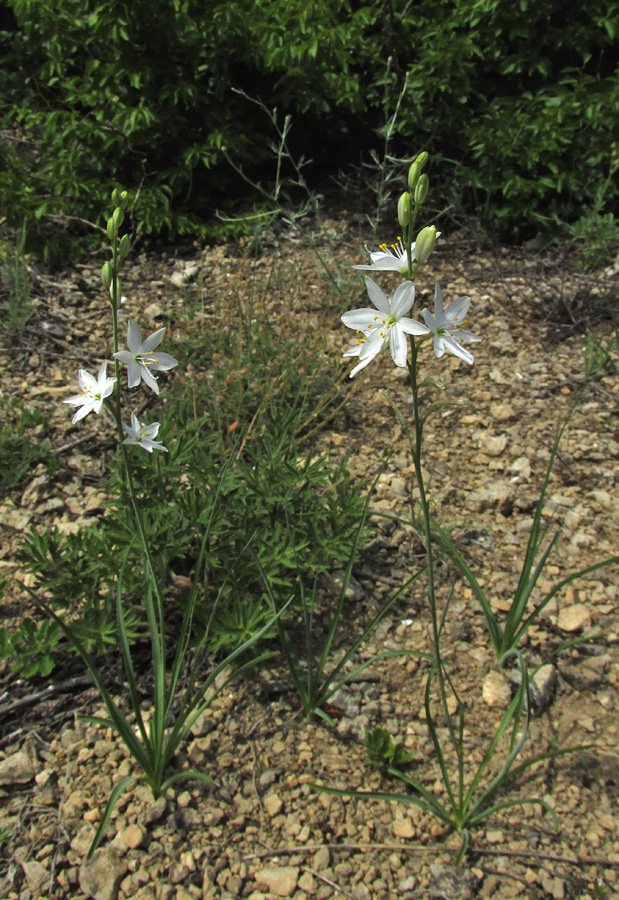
x: 517, y: 101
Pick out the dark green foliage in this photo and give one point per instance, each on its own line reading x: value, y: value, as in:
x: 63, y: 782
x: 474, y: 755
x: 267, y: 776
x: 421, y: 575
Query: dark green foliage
x: 382, y: 751
x: 22, y: 446
x: 299, y: 517
x: 518, y: 100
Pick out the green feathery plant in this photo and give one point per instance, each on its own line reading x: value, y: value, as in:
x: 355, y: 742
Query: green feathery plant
x: 314, y: 678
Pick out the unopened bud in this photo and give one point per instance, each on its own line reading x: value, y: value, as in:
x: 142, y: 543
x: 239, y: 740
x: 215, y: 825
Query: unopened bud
x: 124, y: 247
x: 120, y: 198
x: 404, y: 209
x: 413, y: 176
x: 114, y: 223
x: 115, y: 290
x: 424, y: 245
x: 422, y: 159
x: 421, y: 190
x: 107, y: 273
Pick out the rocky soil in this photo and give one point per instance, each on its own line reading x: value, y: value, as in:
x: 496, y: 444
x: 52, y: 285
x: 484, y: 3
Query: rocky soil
x: 261, y: 831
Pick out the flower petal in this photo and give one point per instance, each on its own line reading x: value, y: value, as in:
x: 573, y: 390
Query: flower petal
x: 164, y: 362
x: 458, y: 309
x: 398, y: 346
x: 354, y: 351
x: 458, y: 350
x: 134, y: 336
x: 102, y: 375
x: 152, y: 341
x: 377, y: 297
x: 467, y: 337
x: 439, y: 345
x: 402, y: 299
x: 150, y: 380
x: 412, y: 326
x: 372, y: 346
x: 85, y: 409
x: 134, y: 373
x: 429, y: 320
x: 359, y: 319
x: 86, y: 381
x: 361, y: 365
x: 75, y: 400
x: 438, y: 302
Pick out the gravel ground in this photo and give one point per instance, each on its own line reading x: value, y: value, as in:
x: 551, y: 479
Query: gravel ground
x: 261, y: 830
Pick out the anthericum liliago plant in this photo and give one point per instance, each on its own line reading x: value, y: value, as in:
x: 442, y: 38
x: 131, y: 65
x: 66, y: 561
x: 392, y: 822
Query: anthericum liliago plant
x: 151, y: 739
x: 467, y: 797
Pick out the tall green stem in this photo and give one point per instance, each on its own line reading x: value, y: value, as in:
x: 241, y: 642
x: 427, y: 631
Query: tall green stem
x: 423, y: 501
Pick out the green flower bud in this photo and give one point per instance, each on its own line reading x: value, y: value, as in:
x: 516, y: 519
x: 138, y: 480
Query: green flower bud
x: 413, y: 175
x: 107, y: 273
x: 404, y: 209
x: 422, y: 159
x: 118, y: 293
x: 422, y: 188
x: 424, y: 245
x: 118, y: 217
x: 114, y: 223
x: 120, y: 198
x: 124, y: 247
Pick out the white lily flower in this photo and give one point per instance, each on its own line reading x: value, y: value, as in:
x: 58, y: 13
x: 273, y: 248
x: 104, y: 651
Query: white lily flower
x: 392, y: 259
x: 447, y: 326
x: 384, y: 325
x: 93, y: 391
x: 143, y: 435
x: 140, y: 359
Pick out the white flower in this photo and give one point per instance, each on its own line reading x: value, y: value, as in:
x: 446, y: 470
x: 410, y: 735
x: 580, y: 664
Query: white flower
x: 139, y: 358
x: 384, y: 325
x: 447, y: 326
x: 93, y: 391
x: 392, y: 259
x: 143, y: 435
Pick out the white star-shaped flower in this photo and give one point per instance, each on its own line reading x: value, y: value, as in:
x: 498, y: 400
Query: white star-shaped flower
x: 140, y: 358
x: 384, y: 325
x: 390, y: 259
x: 447, y: 326
x: 143, y: 435
x: 93, y: 391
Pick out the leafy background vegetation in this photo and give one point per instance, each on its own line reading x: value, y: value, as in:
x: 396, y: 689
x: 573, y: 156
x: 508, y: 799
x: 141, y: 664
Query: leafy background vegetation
x: 516, y: 103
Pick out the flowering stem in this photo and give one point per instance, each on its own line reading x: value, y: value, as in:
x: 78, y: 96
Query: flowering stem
x: 154, y: 611
x: 423, y: 501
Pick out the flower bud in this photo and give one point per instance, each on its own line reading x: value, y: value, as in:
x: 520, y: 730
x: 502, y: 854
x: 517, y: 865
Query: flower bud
x: 413, y: 175
x: 115, y: 290
x: 107, y: 273
x: 422, y: 188
x: 404, y: 209
x: 124, y: 247
x: 120, y: 198
x: 424, y: 245
x: 422, y: 160
x: 114, y: 223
